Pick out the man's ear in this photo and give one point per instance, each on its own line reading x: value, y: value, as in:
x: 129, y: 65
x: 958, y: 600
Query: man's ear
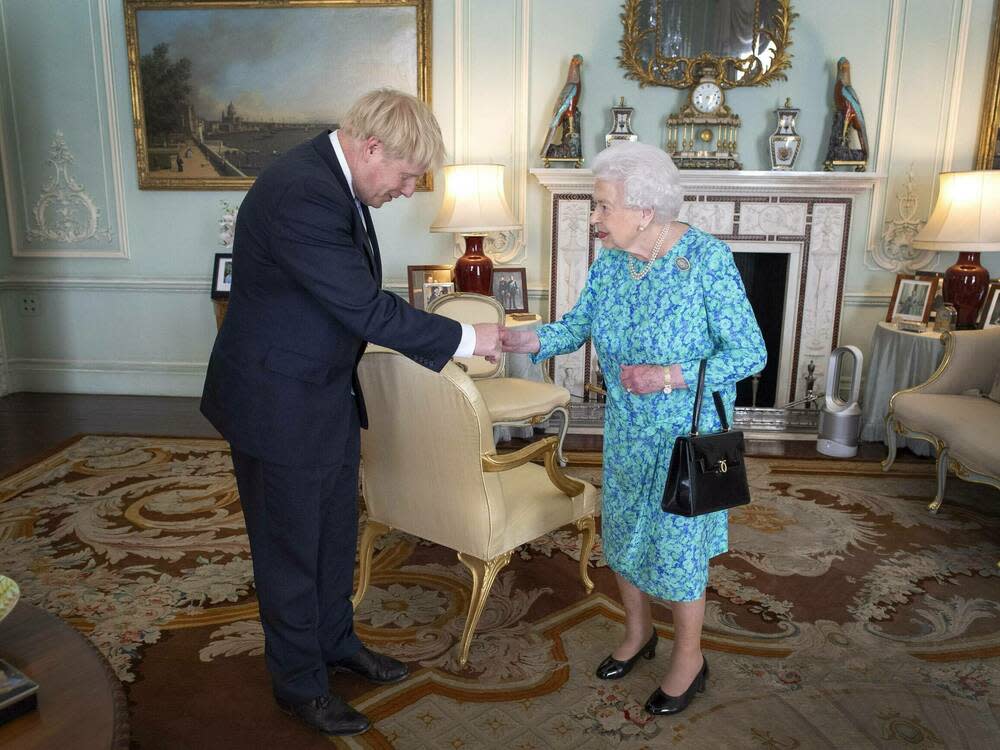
x: 372, y: 146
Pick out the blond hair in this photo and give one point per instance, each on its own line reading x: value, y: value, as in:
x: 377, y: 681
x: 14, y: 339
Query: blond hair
x: 405, y: 125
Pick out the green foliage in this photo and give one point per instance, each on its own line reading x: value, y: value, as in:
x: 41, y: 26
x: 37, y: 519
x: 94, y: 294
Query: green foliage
x: 165, y: 89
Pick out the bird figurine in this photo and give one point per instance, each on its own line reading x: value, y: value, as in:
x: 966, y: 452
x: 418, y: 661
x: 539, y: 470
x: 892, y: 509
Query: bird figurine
x: 848, y: 104
x: 565, y: 113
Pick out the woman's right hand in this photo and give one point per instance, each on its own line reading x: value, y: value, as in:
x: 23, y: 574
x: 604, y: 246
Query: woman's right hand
x: 522, y: 342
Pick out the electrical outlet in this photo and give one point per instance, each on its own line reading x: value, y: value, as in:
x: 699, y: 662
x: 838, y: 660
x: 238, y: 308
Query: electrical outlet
x: 29, y: 305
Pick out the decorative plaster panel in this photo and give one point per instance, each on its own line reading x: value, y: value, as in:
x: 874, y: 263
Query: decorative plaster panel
x: 809, y: 220
x: 55, y: 209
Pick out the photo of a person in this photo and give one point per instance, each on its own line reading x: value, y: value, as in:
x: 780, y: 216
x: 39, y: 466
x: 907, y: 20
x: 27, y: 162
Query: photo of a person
x: 509, y: 289
x: 435, y: 289
x: 911, y: 298
x: 227, y: 273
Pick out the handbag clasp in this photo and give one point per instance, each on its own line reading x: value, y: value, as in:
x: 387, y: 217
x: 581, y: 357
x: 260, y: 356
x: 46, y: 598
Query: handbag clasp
x: 722, y: 466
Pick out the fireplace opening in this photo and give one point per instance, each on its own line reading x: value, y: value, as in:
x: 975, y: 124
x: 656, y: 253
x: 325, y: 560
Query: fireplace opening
x: 765, y: 278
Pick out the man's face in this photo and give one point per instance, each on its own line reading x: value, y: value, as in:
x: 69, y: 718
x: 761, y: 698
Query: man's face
x: 380, y: 178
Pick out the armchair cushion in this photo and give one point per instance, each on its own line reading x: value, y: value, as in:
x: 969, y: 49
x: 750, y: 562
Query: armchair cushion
x: 533, y: 507
x: 518, y: 399
x: 970, y: 425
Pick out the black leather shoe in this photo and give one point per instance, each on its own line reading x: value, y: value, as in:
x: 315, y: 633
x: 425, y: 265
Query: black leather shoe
x: 372, y: 666
x: 660, y: 703
x: 328, y: 714
x: 612, y: 669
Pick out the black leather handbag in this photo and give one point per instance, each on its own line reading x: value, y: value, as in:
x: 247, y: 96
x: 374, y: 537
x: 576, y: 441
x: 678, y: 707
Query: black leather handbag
x: 707, y: 473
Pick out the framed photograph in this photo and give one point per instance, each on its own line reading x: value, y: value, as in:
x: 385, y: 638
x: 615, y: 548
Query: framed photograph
x: 434, y: 289
x: 510, y: 288
x: 417, y: 276
x: 222, y: 88
x: 912, y: 297
x: 990, y: 316
x: 222, y: 275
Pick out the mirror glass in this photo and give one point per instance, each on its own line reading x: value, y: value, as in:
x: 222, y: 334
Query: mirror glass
x: 669, y: 42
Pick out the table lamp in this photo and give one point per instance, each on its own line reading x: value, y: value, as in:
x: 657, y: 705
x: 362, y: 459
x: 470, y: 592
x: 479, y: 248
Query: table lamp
x: 474, y: 204
x: 965, y: 219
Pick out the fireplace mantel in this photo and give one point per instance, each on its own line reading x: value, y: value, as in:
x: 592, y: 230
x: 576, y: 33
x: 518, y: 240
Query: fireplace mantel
x: 726, y: 181
x: 806, y: 215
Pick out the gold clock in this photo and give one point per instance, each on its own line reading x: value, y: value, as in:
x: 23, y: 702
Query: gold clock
x: 702, y: 135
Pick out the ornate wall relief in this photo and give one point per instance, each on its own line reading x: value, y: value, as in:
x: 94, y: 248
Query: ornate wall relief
x: 896, y: 253
x: 65, y: 212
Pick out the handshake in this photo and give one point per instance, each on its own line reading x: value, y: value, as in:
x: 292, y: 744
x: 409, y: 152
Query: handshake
x: 492, y: 339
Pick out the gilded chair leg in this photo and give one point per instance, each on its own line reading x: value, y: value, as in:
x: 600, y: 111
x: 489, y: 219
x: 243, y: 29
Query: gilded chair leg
x: 587, y: 532
x: 942, y: 477
x: 562, y: 433
x: 484, y: 572
x: 890, y: 437
x: 373, y: 530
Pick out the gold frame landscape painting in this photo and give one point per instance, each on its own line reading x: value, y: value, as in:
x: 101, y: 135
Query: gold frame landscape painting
x: 220, y: 88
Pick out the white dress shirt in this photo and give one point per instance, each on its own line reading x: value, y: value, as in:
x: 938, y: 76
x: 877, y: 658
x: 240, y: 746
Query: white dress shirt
x: 467, y: 346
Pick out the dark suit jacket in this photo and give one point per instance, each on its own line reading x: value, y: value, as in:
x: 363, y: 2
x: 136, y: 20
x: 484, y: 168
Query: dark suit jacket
x: 306, y: 297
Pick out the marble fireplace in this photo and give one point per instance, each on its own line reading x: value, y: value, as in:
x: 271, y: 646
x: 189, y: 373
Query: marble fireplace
x: 805, y: 216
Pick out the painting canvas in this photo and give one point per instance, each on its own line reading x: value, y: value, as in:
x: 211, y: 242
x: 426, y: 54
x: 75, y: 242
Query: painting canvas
x: 221, y: 90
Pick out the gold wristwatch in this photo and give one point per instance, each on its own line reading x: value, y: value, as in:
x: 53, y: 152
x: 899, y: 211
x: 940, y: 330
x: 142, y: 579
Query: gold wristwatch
x: 668, y: 387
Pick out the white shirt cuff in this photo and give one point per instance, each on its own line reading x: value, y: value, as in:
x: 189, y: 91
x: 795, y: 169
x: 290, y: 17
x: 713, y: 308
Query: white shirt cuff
x: 467, y: 346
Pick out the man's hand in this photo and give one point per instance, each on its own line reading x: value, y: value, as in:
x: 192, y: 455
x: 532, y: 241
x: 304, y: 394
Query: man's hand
x: 487, y: 341
x: 523, y: 342
x: 641, y: 379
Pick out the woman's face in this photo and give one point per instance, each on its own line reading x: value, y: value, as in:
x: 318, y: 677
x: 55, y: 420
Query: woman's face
x: 614, y: 224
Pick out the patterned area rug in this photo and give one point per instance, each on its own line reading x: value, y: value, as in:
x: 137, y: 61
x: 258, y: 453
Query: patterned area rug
x: 845, y: 615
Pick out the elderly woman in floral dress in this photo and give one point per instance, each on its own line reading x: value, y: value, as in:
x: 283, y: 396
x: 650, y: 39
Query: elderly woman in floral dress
x: 660, y: 298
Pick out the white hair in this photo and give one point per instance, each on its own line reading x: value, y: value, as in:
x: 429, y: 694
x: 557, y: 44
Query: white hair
x: 648, y: 177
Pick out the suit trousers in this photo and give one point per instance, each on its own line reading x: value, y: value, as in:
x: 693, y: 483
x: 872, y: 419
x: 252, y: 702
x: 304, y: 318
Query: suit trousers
x: 303, y: 529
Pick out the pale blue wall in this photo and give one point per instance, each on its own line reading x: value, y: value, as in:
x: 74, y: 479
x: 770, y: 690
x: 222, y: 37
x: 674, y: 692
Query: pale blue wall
x: 143, y: 324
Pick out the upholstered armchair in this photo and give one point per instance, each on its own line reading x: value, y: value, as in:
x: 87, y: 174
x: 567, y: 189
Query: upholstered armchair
x: 511, y: 402
x: 957, y: 410
x: 430, y: 468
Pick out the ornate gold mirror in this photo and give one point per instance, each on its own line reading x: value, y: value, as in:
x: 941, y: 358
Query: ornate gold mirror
x: 672, y: 42
x: 989, y: 129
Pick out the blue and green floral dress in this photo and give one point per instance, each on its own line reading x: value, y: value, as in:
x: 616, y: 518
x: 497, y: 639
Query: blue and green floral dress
x: 691, y: 305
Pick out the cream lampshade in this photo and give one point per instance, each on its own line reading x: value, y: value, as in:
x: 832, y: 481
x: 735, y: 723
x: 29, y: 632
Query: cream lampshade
x: 474, y: 204
x: 965, y: 219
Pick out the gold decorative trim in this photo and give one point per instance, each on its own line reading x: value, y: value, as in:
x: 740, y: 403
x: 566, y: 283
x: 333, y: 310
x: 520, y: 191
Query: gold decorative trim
x: 657, y: 70
x: 989, y: 124
x: 545, y: 448
x: 147, y: 181
x: 484, y: 573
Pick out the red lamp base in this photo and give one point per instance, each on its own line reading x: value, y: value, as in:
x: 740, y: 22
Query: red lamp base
x: 474, y: 270
x: 965, y: 285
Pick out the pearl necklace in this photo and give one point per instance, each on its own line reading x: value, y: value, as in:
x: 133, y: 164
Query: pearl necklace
x: 639, y: 274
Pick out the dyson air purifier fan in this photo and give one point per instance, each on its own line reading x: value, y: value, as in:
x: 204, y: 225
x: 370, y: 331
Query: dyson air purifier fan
x: 840, y: 420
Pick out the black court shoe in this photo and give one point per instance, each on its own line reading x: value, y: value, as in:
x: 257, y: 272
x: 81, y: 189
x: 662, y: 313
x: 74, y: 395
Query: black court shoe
x: 612, y: 669
x: 660, y: 703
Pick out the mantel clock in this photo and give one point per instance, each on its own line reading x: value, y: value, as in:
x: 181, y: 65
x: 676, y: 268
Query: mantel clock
x: 703, y: 134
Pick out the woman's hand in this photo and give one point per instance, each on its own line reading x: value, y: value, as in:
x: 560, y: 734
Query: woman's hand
x: 642, y: 379
x: 523, y: 342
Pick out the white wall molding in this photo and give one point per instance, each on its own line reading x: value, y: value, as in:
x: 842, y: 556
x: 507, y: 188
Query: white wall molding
x: 114, y: 187
x: 867, y: 299
x: 178, y: 285
x: 883, y: 250
x: 119, y: 377
x: 886, y: 121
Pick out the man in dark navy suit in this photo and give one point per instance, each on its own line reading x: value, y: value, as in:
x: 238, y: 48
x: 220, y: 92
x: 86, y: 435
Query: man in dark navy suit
x: 282, y: 383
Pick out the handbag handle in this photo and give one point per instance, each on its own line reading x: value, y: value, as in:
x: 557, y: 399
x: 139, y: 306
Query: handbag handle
x: 699, y: 394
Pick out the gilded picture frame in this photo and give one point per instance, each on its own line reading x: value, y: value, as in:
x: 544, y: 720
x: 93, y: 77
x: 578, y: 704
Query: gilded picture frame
x: 643, y: 59
x: 210, y: 111
x: 988, y: 154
